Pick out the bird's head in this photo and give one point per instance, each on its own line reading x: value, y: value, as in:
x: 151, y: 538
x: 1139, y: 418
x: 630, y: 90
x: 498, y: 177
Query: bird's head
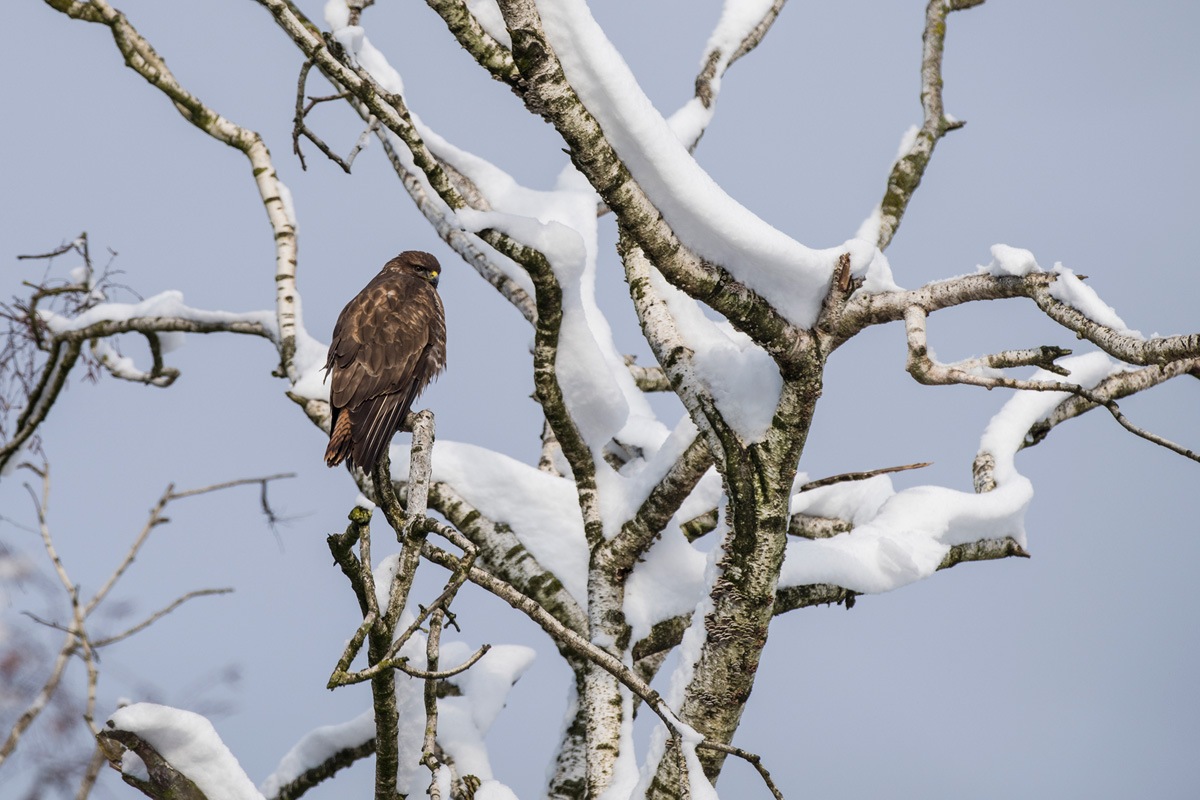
x: 419, y: 263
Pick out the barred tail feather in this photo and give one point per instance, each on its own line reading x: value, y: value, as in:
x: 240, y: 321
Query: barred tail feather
x: 340, y: 441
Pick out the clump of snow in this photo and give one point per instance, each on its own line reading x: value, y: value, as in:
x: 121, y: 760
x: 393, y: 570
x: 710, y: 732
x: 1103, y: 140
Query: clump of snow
x: 691, y: 119
x: 689, y: 655
x: 133, y: 766
x: 309, y: 358
x: 119, y: 365
x: 317, y: 746
x: 383, y: 573
x: 907, y: 140
x: 80, y: 276
x: 1011, y: 261
x: 1005, y: 433
x: 337, y: 14
x: 854, y: 501
x: 493, y: 790
x: 487, y: 683
x: 1066, y: 288
x: 743, y: 379
x: 1078, y: 295
x: 169, y: 341
x: 190, y: 744
x: 737, y: 21
x: 354, y: 39
x: 488, y: 15
x: 667, y: 583
x: 869, y: 263
x: 541, y: 509
x: 868, y: 229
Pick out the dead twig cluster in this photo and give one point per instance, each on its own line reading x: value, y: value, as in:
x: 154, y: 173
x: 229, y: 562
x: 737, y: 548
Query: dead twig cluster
x: 79, y: 641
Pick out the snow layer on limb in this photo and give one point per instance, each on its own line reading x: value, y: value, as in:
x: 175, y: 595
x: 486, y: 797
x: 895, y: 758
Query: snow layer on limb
x: 793, y: 277
x: 902, y: 537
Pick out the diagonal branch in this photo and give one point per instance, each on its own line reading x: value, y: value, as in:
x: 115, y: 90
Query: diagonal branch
x: 859, y: 476
x: 324, y: 771
x: 157, y: 616
x: 670, y: 350
x: 717, y: 61
x: 53, y: 378
x: 637, y: 535
x: 547, y: 389
x: 552, y: 97
x: 1114, y: 387
x: 910, y: 168
x: 500, y: 552
x: 1158, y: 350
x: 492, y: 55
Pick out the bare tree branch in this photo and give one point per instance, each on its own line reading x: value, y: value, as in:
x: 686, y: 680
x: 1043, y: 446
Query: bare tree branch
x: 926, y: 371
x: 859, y: 476
x: 910, y: 168
x: 157, y: 616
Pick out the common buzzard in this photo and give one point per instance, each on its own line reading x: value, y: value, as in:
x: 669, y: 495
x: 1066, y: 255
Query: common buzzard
x: 388, y: 344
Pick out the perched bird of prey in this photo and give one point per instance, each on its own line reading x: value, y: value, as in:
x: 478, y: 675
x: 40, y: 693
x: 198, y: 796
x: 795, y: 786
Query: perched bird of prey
x: 388, y: 344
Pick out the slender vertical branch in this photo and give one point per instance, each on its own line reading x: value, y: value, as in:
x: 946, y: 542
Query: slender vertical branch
x: 910, y: 168
x: 429, y: 747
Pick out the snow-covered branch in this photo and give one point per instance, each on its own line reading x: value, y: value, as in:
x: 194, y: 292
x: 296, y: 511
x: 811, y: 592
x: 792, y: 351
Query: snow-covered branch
x: 551, y: 96
x: 500, y: 552
x: 164, y: 313
x: 740, y: 29
x: 488, y: 46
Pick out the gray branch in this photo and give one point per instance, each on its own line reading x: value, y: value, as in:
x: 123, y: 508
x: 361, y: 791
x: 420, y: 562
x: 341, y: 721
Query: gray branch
x: 910, y: 168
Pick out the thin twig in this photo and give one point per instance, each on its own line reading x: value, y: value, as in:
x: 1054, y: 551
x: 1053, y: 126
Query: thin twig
x: 859, y: 476
x: 218, y: 486
x: 428, y: 749
x: 435, y: 675
x: 158, y: 615
x: 754, y: 760
x: 70, y: 644
x: 91, y: 773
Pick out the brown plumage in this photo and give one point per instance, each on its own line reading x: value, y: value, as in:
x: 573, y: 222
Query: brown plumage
x: 388, y: 344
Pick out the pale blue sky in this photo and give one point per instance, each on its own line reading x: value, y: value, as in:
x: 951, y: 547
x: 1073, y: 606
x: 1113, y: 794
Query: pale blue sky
x: 1070, y: 674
